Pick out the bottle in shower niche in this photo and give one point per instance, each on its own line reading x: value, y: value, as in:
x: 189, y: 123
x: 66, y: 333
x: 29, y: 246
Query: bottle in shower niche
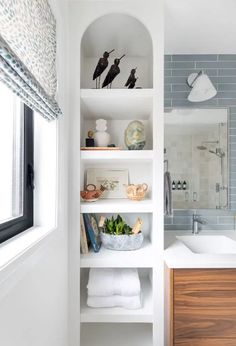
x: 179, y: 185
x: 184, y: 185
x: 173, y: 185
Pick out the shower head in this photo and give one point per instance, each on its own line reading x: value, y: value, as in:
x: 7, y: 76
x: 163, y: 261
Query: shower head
x: 204, y: 147
x: 201, y: 147
x: 219, y: 152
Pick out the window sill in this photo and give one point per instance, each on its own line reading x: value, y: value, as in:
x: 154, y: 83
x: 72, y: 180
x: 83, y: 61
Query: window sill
x: 15, y: 248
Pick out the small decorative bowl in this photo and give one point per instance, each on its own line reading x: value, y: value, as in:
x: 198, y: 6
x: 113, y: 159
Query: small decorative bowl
x: 136, y: 192
x: 90, y: 194
x: 122, y: 242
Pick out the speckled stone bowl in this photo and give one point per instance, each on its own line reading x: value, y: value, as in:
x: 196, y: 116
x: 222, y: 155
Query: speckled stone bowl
x: 122, y: 242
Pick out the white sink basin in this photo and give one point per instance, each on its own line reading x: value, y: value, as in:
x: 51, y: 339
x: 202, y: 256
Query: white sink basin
x: 209, y: 244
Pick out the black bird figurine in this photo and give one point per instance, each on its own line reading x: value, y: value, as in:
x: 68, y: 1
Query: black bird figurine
x: 132, y: 79
x: 132, y: 84
x: 112, y: 73
x: 101, y: 66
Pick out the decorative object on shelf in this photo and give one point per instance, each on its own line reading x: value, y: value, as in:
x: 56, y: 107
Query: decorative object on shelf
x: 101, y: 221
x: 83, y: 237
x: 132, y: 79
x: 137, y: 226
x: 136, y: 192
x: 135, y: 138
x: 113, y: 180
x: 132, y: 84
x: 117, y: 235
x: 89, y: 142
x: 91, y: 193
x: 92, y: 231
x: 100, y: 148
x: 112, y: 73
x: 102, y: 138
x: 114, y: 287
x: 100, y: 68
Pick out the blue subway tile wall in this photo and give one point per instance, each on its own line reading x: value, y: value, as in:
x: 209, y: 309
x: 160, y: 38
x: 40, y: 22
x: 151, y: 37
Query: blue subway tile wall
x: 222, y: 71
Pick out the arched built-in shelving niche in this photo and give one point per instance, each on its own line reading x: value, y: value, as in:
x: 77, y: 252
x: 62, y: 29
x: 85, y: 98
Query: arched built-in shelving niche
x: 127, y: 35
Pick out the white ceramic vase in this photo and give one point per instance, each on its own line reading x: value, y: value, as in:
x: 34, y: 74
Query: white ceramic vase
x: 101, y: 137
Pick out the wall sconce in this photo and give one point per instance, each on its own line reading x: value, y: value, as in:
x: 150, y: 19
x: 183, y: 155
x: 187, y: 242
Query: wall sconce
x: 202, y: 87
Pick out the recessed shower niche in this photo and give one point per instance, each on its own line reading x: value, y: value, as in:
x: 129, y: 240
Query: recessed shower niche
x: 126, y: 35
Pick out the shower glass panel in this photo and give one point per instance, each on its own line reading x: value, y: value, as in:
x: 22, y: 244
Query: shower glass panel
x: 196, y: 147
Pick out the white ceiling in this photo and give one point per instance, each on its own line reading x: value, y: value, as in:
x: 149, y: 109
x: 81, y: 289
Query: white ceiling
x: 200, y: 26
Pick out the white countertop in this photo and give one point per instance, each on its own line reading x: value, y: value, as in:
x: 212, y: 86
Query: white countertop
x: 177, y: 255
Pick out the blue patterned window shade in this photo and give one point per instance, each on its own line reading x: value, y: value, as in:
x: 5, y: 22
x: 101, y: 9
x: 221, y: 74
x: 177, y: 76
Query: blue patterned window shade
x: 28, y: 53
x: 18, y: 78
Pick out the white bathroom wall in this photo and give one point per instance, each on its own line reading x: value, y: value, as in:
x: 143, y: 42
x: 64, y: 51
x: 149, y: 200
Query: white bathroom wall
x: 33, y: 288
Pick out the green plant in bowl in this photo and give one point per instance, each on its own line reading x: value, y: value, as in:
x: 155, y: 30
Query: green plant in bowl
x: 116, y: 226
x: 117, y: 235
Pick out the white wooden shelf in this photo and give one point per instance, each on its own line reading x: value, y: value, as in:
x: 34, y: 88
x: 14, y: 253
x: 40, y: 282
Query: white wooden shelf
x: 117, y: 104
x: 116, y: 334
x: 142, y: 258
x: 110, y: 93
x: 116, y: 315
x: 104, y: 155
x: 117, y: 206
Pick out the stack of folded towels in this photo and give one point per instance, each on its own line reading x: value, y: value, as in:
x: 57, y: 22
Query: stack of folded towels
x: 114, y: 287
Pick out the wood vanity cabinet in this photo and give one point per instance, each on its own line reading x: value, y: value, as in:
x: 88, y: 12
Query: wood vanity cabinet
x: 203, y: 310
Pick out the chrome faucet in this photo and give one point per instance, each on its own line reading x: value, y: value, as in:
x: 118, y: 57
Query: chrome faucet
x: 196, y: 221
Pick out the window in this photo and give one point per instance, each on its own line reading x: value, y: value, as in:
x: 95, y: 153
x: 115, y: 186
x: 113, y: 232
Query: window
x: 16, y: 168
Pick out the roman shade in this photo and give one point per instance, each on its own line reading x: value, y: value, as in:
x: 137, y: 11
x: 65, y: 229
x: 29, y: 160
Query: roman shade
x: 28, y: 53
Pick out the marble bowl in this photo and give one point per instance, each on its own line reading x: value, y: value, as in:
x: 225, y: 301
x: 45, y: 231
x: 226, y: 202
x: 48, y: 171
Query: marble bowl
x: 122, y: 242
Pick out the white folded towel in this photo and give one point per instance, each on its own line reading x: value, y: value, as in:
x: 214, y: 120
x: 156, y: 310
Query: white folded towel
x: 105, y: 282
x: 133, y: 302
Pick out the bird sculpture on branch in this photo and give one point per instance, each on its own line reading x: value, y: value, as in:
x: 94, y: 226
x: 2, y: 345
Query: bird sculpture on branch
x: 100, y: 68
x: 112, y: 73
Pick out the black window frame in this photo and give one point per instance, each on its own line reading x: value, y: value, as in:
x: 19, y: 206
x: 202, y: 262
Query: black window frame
x: 17, y: 225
